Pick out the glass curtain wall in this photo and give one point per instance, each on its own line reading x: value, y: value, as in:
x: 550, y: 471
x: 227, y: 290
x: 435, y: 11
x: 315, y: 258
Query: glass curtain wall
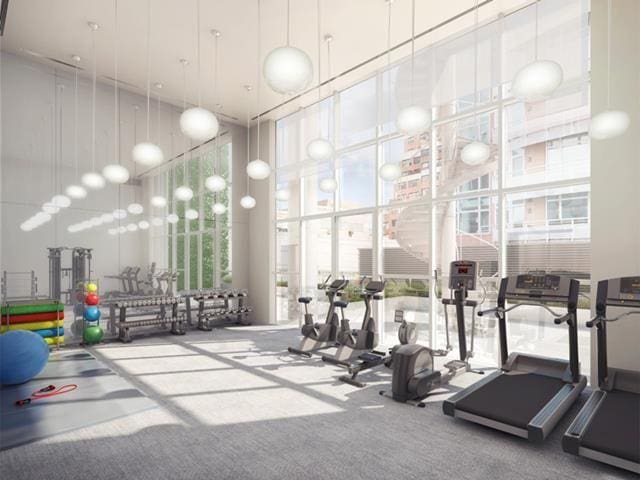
x: 525, y: 208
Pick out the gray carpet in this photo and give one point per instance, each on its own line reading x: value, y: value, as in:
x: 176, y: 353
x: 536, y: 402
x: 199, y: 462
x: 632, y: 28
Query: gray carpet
x: 236, y: 406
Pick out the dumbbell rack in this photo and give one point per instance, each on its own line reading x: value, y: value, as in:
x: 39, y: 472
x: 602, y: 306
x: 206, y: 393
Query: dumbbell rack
x: 215, y: 305
x: 149, y: 309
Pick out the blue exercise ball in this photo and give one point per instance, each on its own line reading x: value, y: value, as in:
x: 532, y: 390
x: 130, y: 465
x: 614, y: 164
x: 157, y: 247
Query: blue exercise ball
x: 23, y: 355
x: 92, y: 314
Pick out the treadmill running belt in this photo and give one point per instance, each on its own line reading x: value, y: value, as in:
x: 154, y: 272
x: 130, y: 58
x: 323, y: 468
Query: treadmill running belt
x: 615, y: 430
x: 512, y: 398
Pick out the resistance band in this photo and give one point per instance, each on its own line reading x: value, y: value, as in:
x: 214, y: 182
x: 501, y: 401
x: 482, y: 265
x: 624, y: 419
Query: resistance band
x: 49, y: 391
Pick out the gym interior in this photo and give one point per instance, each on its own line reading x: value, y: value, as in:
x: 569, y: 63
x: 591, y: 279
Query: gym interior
x: 320, y: 239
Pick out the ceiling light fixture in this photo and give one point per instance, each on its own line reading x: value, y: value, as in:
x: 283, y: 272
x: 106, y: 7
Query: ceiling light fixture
x: 184, y: 192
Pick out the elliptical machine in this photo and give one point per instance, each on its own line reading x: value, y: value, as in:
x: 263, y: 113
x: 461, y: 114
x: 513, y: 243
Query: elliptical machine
x: 317, y: 336
x: 355, y: 342
x: 414, y: 374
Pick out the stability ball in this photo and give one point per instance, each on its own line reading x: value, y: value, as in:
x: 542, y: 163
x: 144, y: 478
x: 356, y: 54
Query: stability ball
x: 93, y: 334
x: 91, y: 299
x: 23, y: 355
x: 92, y: 288
x: 92, y: 314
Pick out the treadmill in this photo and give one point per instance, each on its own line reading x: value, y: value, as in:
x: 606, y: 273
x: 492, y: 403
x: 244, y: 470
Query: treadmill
x: 529, y: 394
x: 607, y: 429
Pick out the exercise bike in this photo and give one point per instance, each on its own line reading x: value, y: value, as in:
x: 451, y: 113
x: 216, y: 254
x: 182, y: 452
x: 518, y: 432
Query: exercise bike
x: 414, y: 373
x: 353, y: 343
x: 317, y: 336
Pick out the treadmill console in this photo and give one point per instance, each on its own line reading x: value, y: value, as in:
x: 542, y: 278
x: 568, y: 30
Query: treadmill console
x: 624, y: 291
x: 462, y: 274
x: 538, y: 286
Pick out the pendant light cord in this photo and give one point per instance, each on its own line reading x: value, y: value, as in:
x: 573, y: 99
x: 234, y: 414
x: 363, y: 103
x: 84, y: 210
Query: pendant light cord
x: 288, y: 21
x: 475, y: 72
x: 184, y: 107
x: 258, y: 82
x: 248, y: 139
x: 319, y: 60
x: 198, y: 52
x: 116, y: 131
x: 148, y: 63
x: 535, y: 44
x: 93, y: 104
x: 215, y: 71
x: 413, y: 43
x: 389, y: 2
x: 609, y: 21
x: 75, y: 122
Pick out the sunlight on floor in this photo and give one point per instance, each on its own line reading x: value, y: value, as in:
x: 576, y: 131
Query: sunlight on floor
x: 140, y: 366
x: 143, y: 351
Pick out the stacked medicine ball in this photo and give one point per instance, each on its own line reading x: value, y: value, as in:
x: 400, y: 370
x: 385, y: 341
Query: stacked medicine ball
x: 92, y: 332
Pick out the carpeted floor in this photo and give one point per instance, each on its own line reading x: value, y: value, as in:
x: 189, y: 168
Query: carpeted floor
x: 236, y: 406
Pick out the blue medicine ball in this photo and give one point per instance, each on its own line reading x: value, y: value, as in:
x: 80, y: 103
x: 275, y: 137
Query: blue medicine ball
x: 92, y: 314
x: 23, y: 355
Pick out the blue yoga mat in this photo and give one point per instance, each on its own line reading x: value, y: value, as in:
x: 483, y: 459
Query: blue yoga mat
x: 50, y: 332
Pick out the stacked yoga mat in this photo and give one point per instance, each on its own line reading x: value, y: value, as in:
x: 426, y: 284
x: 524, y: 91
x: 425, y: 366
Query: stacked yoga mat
x: 44, y: 317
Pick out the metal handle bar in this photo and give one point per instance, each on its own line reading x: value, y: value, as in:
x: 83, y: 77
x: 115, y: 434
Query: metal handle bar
x: 600, y: 318
x: 512, y: 307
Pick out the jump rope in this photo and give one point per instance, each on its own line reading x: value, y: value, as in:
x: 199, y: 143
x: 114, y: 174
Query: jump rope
x: 46, y: 392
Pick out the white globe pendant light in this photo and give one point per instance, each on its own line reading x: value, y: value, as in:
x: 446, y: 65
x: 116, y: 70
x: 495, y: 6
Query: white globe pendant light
x: 156, y: 221
x: 119, y: 214
x: 183, y: 193
x: 115, y: 173
x: 112, y: 231
x: 247, y: 202
x: 61, y: 201
x: 143, y: 225
x: 390, y: 172
x: 219, y: 208
x: 320, y: 150
x: 215, y: 183
x: 107, y: 218
x: 122, y: 229
x: 609, y: 124
x: 283, y: 195
x: 135, y: 208
x: 132, y: 227
x: 191, y: 214
x: 158, y: 201
x: 288, y: 70
x: 537, y: 80
x: 328, y: 185
x: 76, y: 191
x: 199, y: 124
x: 258, y: 169
x: 172, y: 218
x: 50, y: 208
x: 413, y: 119
x: 475, y: 153
x: 147, y: 153
x: 93, y: 180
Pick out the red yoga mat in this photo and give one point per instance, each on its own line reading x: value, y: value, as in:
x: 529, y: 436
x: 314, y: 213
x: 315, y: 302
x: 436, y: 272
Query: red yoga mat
x: 32, y: 317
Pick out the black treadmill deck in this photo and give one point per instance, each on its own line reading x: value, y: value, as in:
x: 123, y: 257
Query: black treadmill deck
x: 512, y: 398
x: 615, y: 430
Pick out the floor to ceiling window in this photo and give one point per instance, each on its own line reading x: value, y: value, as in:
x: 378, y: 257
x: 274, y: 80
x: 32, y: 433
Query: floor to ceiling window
x: 525, y: 208
x: 198, y: 250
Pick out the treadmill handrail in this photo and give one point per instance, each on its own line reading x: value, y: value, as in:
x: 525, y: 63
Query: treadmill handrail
x: 501, y: 310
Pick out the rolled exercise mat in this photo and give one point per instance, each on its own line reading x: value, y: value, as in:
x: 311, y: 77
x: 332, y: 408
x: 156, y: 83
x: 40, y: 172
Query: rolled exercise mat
x: 22, y: 308
x: 54, y: 340
x: 32, y: 326
x: 50, y: 332
x: 32, y: 317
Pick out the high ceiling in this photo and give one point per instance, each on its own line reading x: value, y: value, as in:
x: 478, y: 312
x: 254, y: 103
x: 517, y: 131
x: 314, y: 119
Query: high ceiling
x: 48, y: 29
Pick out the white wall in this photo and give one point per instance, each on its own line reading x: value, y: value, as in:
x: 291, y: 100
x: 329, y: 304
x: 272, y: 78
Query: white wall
x: 615, y: 168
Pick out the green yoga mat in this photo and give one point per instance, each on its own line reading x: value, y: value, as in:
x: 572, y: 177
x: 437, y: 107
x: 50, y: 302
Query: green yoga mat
x: 27, y: 307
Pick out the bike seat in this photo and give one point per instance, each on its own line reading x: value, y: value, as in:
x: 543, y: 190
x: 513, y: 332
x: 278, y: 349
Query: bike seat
x: 340, y: 304
x: 305, y: 300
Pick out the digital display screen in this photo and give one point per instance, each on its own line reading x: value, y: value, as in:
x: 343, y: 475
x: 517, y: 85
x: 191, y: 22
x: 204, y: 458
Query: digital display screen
x: 630, y: 285
x: 463, y: 270
x: 541, y: 282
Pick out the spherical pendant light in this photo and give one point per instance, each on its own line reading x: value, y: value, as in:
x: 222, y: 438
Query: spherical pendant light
x: 219, y: 208
x: 119, y: 214
x: 172, y: 218
x: 135, y: 208
x: 122, y: 229
x: 199, y: 124
x: 158, y: 201
x: 183, y: 193
x: 147, y: 154
x: 61, y: 201
x: 215, y: 183
x: 537, y: 80
x: 320, y: 149
x: 258, y: 169
x: 50, y: 208
x: 390, y: 172
x: 93, y: 181
x: 248, y: 202
x: 191, y: 214
x: 115, y: 173
x: 143, y: 225
x: 475, y: 153
x: 95, y: 221
x: 288, y: 70
x: 609, y: 124
x: 76, y: 191
x: 112, y: 231
x: 107, y: 218
x: 132, y: 227
x: 328, y: 185
x: 156, y: 221
x: 413, y: 119
x: 283, y: 195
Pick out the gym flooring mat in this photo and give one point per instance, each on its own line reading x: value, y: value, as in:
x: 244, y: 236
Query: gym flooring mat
x: 101, y: 396
x: 32, y: 317
x: 31, y: 306
x: 32, y: 326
